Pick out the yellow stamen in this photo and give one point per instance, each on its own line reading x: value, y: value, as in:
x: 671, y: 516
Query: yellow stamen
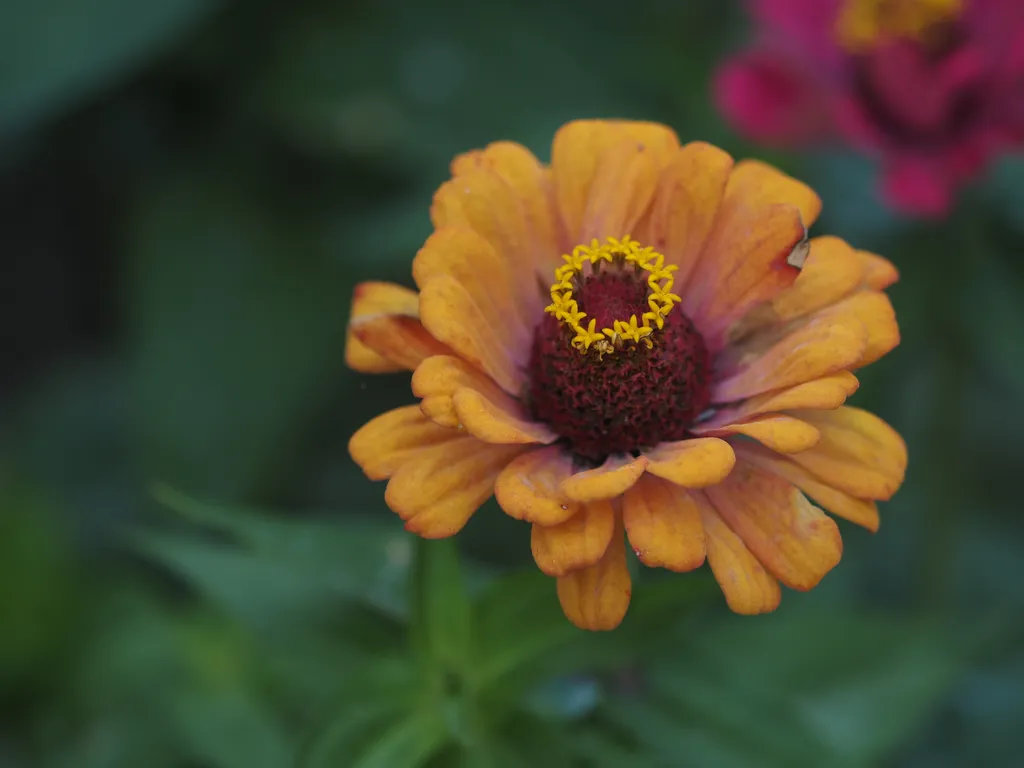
x: 625, y: 251
x: 864, y: 23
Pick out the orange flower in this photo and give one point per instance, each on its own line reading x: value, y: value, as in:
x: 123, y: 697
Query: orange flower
x: 637, y: 341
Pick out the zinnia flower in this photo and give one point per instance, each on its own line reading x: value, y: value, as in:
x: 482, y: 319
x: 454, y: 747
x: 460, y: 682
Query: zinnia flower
x: 935, y: 88
x: 638, y: 340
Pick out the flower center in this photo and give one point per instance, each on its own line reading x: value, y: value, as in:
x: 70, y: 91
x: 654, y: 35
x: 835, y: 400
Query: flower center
x: 865, y: 23
x: 615, y: 365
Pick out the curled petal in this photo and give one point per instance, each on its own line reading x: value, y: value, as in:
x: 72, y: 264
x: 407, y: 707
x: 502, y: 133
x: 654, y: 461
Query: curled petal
x: 385, y: 443
x: 494, y: 423
x: 759, y: 184
x: 784, y: 434
x: 371, y: 300
x: 401, y: 339
x: 663, y: 525
x: 878, y: 273
x: 459, y: 319
x: 529, y: 487
x: 791, y: 537
x: 817, y: 348
x: 831, y: 271
x: 858, y: 453
x: 745, y: 263
x: 694, y: 463
x: 863, y: 512
x: 747, y: 586
x: 825, y: 393
x: 576, y: 543
x: 436, y: 491
x: 597, y: 597
x: 875, y: 313
x: 611, y: 479
x: 438, y: 378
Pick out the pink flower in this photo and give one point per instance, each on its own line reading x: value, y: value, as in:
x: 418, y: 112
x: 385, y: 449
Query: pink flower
x: 934, y: 88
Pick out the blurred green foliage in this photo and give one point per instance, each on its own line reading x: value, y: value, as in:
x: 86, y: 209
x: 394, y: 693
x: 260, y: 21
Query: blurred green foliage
x: 190, y: 189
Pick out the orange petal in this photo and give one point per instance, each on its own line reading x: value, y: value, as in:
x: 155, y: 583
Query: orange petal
x: 369, y: 300
x: 685, y: 206
x: 531, y: 183
x: 486, y: 275
x: 576, y: 153
x: 385, y: 443
x: 817, y: 348
x: 622, y: 188
x: 759, y: 185
x: 597, y: 597
x: 863, y: 512
x: 879, y: 273
x: 874, y: 311
x: 611, y: 479
x: 399, y: 338
x: 438, y: 378
x: 483, y: 203
x: 460, y: 320
x: 780, y: 433
x: 436, y: 491
x: 494, y: 423
x: 576, y: 543
x: 831, y: 271
x: 744, y: 264
x: 747, y: 586
x: 695, y: 463
x: 858, y: 453
x: 792, y: 538
x: 825, y: 393
x: 528, y: 488
x: 663, y: 524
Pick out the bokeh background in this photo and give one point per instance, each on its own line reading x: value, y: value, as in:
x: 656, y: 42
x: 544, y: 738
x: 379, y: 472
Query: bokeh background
x: 193, y: 574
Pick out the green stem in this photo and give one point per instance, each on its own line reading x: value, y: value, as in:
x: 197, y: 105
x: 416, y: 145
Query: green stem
x: 442, y: 638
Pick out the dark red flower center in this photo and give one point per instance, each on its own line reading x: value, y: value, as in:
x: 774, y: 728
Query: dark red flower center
x: 637, y: 395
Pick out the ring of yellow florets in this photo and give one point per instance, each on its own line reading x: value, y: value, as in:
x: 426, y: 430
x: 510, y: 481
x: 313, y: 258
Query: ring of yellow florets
x: 863, y: 23
x: 619, y: 253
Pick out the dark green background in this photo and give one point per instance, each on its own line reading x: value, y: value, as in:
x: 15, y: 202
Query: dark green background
x: 189, y: 190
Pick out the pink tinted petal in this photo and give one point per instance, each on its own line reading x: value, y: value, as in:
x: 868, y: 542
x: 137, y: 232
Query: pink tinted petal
x: 807, y: 24
x: 769, y: 99
x: 917, y: 186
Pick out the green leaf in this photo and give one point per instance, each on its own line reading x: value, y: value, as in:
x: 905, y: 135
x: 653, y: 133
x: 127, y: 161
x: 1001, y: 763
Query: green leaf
x: 843, y: 691
x: 267, y: 593
x: 442, y: 620
x: 407, y: 744
x: 523, y: 636
x: 348, y: 731
x: 362, y: 558
x: 231, y: 729
x: 54, y: 53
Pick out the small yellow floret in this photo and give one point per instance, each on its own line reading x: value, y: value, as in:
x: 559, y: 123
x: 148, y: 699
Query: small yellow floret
x: 864, y: 23
x: 625, y: 251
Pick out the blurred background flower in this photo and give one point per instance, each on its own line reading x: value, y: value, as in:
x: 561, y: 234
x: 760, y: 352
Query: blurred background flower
x: 931, y: 87
x: 189, y: 192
